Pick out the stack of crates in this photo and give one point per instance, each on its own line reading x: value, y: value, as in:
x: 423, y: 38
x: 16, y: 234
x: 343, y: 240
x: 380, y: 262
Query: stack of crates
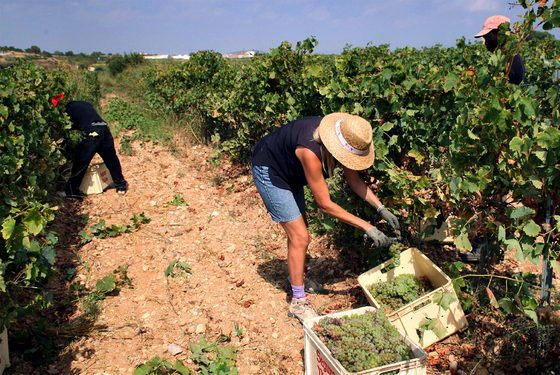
x: 318, y: 358
x: 408, y: 317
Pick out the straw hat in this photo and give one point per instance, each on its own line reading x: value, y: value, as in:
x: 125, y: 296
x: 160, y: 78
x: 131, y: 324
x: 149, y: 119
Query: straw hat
x: 349, y: 139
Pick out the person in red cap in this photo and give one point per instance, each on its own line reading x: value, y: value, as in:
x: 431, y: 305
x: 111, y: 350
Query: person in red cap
x: 490, y: 35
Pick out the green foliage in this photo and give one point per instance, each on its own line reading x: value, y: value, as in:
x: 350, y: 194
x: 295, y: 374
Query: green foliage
x: 210, y: 358
x: 177, y: 268
x: 178, y: 200
x: 32, y: 132
x: 160, y: 366
x: 84, y: 85
x: 213, y: 359
x: 118, y: 63
x: 100, y: 230
x: 447, y: 125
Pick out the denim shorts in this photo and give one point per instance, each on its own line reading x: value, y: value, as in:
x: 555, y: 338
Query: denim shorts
x: 281, y: 204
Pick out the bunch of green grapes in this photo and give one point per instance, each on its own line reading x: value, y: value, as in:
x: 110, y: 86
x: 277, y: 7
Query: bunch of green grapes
x: 398, y: 292
x: 395, y: 252
x: 362, y: 342
x: 380, y: 255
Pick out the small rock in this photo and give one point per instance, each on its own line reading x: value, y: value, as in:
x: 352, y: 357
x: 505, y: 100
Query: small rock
x: 215, y: 213
x: 482, y: 371
x: 201, y: 328
x: 146, y: 316
x: 191, y: 328
x: 453, y: 367
x: 174, y: 349
x: 164, y: 230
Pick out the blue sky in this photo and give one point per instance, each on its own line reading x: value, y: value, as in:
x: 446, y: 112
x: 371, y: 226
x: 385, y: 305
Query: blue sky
x: 185, y: 26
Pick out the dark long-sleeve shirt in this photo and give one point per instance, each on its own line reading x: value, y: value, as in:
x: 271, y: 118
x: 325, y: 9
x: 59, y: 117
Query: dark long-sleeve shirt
x: 82, y: 114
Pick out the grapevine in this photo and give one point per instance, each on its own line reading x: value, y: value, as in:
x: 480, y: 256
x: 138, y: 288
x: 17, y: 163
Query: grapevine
x: 362, y: 342
x: 398, y: 292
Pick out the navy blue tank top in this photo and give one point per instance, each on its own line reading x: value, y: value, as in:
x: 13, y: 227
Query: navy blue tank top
x: 277, y: 151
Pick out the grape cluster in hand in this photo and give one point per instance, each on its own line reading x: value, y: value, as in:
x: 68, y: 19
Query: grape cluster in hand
x: 362, y: 342
x: 395, y: 253
x: 398, y: 292
x: 380, y: 255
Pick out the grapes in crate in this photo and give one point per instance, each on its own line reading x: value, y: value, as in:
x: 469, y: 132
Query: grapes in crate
x: 362, y: 342
x: 400, y: 291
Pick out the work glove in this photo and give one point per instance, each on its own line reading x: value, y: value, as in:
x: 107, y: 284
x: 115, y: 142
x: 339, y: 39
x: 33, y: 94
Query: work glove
x: 389, y: 218
x: 379, y: 239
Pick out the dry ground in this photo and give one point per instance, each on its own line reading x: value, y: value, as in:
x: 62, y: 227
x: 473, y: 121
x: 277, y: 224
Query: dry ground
x: 238, y: 261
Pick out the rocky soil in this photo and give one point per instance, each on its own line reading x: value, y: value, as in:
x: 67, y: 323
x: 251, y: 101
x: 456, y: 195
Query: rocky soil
x: 237, y: 257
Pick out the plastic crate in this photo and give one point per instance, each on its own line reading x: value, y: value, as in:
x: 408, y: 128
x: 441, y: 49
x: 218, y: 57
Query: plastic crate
x: 96, y: 180
x: 4, y: 354
x: 319, y: 360
x: 443, y: 234
x: 408, y: 317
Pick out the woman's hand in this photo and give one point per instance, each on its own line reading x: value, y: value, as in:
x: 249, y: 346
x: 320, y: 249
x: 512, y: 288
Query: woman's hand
x: 389, y: 218
x: 380, y: 239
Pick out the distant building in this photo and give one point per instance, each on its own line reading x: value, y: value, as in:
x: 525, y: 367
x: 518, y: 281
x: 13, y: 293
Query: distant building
x: 239, y: 55
x: 156, y: 57
x: 180, y: 57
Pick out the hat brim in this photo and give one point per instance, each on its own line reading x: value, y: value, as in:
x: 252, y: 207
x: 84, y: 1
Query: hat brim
x: 329, y: 138
x: 482, y: 33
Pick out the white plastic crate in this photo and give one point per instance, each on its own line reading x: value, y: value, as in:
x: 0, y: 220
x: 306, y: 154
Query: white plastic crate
x: 443, y: 234
x: 408, y: 317
x: 96, y: 180
x: 4, y: 354
x: 319, y: 360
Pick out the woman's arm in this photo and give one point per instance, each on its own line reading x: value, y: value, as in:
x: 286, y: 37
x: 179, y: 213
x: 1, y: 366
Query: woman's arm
x: 364, y: 192
x: 314, y: 174
x: 360, y: 187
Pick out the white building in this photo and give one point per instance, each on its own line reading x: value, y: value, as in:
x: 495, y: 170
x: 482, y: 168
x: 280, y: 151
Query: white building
x: 156, y: 57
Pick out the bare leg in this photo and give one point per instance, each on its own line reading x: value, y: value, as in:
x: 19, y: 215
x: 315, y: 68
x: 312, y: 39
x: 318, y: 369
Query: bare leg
x: 298, y: 241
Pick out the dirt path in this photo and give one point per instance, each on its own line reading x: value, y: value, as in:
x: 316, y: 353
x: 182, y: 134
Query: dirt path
x: 237, y: 255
